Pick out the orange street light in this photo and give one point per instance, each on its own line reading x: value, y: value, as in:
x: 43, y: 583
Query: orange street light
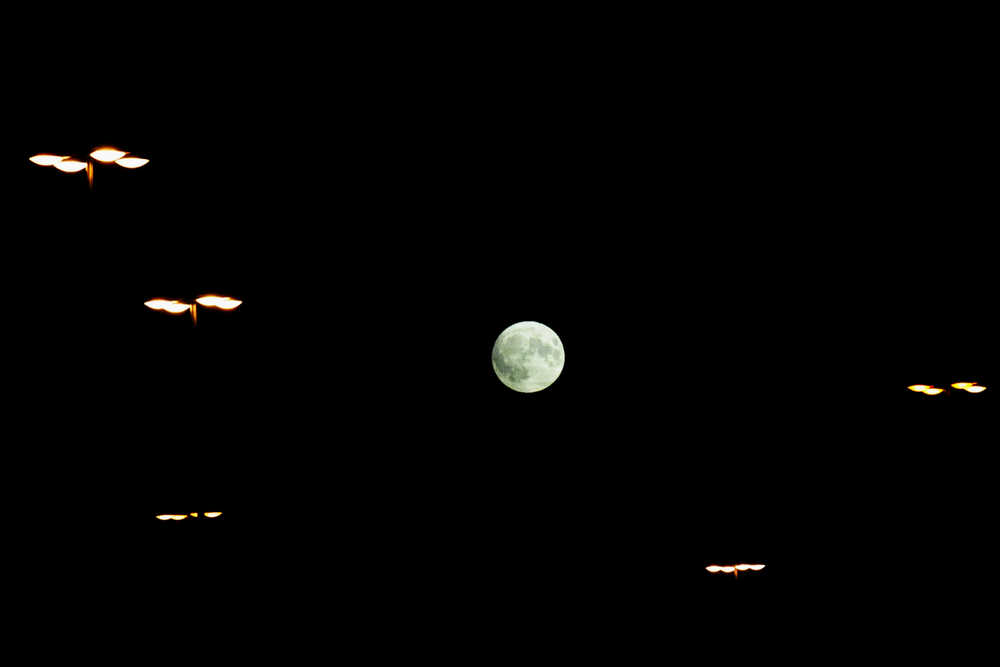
x: 734, y: 569
x: 222, y: 302
x: 931, y: 390
x: 107, y: 154
x: 209, y: 300
x: 46, y: 160
x: 131, y: 162
x: 71, y: 166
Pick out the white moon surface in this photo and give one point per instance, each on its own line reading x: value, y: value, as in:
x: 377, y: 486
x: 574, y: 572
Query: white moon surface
x: 528, y: 357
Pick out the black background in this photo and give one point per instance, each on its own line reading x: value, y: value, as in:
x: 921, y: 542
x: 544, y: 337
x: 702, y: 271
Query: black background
x: 747, y: 259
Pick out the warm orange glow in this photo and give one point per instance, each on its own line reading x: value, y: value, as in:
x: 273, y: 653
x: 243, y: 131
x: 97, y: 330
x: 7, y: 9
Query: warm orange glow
x: 107, y: 154
x: 46, y: 160
x: 734, y: 569
x: 169, y: 306
x: 70, y: 166
x: 194, y: 514
x: 168, y: 517
x: 131, y: 162
x: 962, y: 385
x: 975, y: 390
x: 919, y: 387
x: 212, y: 515
x: 223, y: 302
x: 933, y: 391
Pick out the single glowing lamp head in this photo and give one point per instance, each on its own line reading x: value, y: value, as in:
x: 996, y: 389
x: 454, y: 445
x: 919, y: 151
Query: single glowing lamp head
x: 131, y: 162
x: 932, y: 391
x: 975, y: 390
x: 713, y: 568
x: 107, y: 154
x: 756, y: 567
x: 169, y: 306
x: 919, y: 387
x: 46, y: 160
x: 962, y: 385
x: 223, y: 302
x: 70, y: 166
x: 212, y: 515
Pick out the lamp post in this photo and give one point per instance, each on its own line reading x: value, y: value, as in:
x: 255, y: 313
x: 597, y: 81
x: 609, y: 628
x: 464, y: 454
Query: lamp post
x: 175, y: 307
x: 106, y: 154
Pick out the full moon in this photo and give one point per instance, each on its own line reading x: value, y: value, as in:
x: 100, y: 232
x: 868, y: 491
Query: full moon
x: 528, y: 357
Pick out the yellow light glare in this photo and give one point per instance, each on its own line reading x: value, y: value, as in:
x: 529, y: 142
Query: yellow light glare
x: 107, y: 154
x: 223, y: 302
x: 131, y: 162
x: 932, y: 391
x: 194, y: 514
x: 919, y: 387
x: 962, y: 385
x: 70, y: 166
x: 164, y: 517
x: 46, y: 160
x: 212, y: 515
x: 975, y: 390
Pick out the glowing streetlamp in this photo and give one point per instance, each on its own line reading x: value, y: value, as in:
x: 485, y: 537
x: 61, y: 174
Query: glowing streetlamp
x: 931, y: 390
x: 176, y: 307
x: 180, y: 517
x: 106, y: 154
x: 734, y: 569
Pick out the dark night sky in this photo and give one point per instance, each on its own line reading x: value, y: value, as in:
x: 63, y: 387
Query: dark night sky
x: 746, y: 262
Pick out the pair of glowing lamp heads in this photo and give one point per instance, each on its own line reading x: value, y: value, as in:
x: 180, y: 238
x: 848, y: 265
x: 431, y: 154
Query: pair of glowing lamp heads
x: 931, y: 390
x: 70, y: 166
x: 178, y: 517
x: 209, y: 300
x: 734, y: 569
